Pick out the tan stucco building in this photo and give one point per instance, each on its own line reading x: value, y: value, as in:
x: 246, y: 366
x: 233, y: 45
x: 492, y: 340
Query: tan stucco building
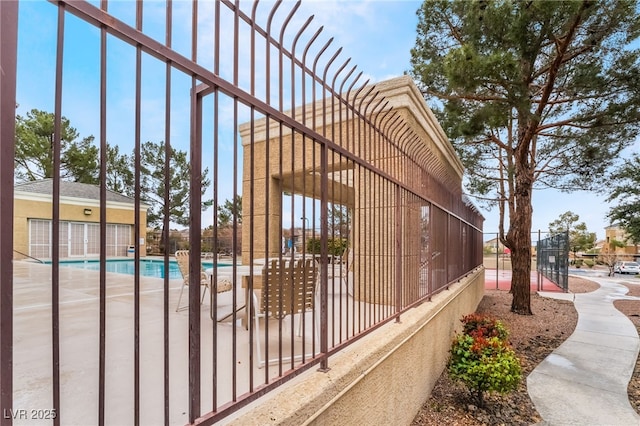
x: 615, y: 232
x: 79, y: 221
x: 284, y: 162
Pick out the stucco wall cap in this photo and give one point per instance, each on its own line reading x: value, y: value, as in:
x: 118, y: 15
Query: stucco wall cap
x: 400, y: 92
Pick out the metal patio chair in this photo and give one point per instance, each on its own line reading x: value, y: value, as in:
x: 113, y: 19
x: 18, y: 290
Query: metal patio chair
x: 346, y: 265
x: 182, y: 258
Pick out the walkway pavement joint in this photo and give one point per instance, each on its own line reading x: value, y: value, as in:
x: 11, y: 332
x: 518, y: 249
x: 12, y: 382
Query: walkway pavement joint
x: 585, y: 383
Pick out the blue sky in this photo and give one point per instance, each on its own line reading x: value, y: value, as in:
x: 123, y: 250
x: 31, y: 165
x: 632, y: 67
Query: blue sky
x: 376, y: 35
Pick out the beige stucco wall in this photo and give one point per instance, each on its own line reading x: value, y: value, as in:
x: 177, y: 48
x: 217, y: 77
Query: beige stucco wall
x: 617, y: 233
x: 278, y: 162
x: 36, y: 207
x: 382, y: 379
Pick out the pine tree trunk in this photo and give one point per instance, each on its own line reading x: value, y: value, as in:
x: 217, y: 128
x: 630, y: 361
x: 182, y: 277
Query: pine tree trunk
x: 519, y: 239
x: 521, y: 278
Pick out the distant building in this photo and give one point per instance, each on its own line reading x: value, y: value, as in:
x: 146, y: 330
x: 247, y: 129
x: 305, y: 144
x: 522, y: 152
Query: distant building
x: 493, y: 246
x: 615, y: 232
x: 79, y: 221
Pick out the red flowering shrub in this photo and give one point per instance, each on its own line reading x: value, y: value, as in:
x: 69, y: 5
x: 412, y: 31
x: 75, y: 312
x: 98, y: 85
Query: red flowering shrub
x: 482, y: 358
x: 483, y: 325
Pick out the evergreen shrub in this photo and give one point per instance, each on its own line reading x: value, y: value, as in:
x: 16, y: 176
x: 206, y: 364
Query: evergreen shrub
x: 482, y: 358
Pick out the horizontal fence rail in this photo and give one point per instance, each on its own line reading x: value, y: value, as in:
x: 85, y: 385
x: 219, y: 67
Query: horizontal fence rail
x: 317, y: 208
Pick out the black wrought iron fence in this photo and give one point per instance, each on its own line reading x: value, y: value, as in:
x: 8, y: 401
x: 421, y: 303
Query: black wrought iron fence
x: 271, y: 115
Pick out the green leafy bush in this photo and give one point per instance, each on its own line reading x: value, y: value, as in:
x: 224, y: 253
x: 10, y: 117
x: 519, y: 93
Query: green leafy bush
x: 313, y: 245
x: 335, y: 246
x: 482, y: 358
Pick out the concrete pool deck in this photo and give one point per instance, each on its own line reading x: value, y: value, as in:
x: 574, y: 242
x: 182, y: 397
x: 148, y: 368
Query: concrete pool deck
x: 79, y: 328
x: 79, y: 348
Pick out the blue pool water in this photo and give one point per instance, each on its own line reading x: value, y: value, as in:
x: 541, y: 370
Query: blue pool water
x: 148, y: 267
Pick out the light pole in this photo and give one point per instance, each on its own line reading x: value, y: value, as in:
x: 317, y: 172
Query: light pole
x: 305, y: 229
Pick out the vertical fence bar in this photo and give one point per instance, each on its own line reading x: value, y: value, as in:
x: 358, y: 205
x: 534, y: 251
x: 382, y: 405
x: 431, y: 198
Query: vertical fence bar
x: 8, y: 62
x: 267, y: 186
x: 538, y: 270
x: 55, y: 218
x: 103, y: 223
x: 195, y: 225
x: 324, y: 220
x: 399, y: 242
x: 430, y: 252
x: 136, y: 231
x: 252, y: 191
x: 497, y: 260
x: 165, y: 220
x: 236, y: 47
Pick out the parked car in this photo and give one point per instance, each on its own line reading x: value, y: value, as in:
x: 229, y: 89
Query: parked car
x: 627, y: 268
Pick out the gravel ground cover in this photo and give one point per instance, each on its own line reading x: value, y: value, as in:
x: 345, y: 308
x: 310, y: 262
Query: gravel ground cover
x: 533, y: 338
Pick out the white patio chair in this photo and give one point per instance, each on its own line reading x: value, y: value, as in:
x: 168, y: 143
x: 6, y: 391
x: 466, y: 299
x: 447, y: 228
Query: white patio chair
x: 182, y: 258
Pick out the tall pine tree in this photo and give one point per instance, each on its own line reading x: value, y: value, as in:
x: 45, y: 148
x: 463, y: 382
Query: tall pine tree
x: 533, y: 94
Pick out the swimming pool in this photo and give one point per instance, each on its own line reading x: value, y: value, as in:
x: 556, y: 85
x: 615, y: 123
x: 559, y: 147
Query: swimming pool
x: 148, y: 267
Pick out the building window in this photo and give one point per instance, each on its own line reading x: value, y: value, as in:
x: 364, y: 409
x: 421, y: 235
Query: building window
x: 77, y: 239
x: 39, y: 238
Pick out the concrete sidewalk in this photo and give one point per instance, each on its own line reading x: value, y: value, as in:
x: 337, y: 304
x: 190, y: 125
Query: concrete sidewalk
x: 584, y: 381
